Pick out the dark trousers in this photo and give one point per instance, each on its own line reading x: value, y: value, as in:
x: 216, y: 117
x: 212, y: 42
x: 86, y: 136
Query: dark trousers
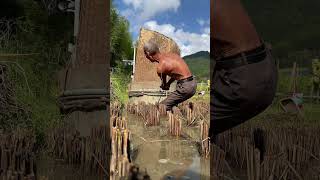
x: 240, y: 93
x: 184, y: 91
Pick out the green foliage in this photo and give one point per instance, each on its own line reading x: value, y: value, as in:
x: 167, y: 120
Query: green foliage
x: 33, y: 76
x: 292, y: 28
x: 303, y: 82
x: 199, y: 64
x: 121, y: 41
x: 277, y: 117
x: 205, y: 97
x: 120, y: 79
x: 121, y: 48
x: 316, y: 70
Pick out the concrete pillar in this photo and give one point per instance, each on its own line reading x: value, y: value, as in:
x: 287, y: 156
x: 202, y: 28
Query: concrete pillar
x: 85, y: 84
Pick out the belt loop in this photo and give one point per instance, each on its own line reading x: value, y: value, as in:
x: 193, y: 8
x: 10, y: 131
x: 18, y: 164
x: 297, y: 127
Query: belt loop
x: 244, y: 58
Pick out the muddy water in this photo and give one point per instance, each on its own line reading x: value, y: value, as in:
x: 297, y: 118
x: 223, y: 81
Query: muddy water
x: 164, y: 156
x: 55, y: 169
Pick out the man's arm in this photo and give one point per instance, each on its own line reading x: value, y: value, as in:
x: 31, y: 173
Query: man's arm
x: 170, y: 82
x: 164, y: 79
x: 166, y: 85
x: 162, y: 75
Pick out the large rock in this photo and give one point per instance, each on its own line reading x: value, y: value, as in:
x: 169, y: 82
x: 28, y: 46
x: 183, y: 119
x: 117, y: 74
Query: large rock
x: 145, y: 79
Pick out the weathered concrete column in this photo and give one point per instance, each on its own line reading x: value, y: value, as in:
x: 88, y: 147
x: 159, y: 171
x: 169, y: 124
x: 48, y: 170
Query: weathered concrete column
x: 145, y: 85
x: 85, y: 93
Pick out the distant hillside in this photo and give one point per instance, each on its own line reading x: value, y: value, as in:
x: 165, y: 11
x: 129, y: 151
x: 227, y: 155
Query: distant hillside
x: 292, y: 27
x: 200, y: 54
x: 199, y: 64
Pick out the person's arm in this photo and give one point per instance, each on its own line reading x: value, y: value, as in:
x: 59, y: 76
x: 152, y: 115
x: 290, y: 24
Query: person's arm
x: 164, y: 80
x: 162, y: 76
x: 170, y: 82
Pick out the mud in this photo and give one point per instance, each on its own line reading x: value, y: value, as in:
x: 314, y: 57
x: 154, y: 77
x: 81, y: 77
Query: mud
x: 164, y: 156
x: 57, y: 169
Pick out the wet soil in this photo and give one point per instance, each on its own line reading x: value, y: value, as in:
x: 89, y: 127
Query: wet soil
x: 164, y: 156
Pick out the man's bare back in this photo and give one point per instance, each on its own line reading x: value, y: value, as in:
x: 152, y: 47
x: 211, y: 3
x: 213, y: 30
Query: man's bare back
x: 174, y: 66
x: 233, y: 31
x: 171, y: 65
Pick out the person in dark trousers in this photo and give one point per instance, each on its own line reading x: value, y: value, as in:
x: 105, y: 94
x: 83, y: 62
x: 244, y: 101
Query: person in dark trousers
x: 172, y: 65
x: 245, y: 73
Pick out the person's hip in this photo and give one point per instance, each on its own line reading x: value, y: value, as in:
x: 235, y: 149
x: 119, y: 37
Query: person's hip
x: 253, y: 75
x: 187, y: 86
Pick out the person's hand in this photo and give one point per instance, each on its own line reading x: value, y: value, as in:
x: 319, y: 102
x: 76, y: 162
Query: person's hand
x: 164, y: 87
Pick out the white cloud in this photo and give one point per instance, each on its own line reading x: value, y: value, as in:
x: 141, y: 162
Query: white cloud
x: 201, y: 22
x: 166, y: 29
x: 206, y: 30
x: 127, y: 12
x: 145, y: 9
x: 154, y: 7
x: 135, y: 3
x: 140, y: 11
x: 188, y: 42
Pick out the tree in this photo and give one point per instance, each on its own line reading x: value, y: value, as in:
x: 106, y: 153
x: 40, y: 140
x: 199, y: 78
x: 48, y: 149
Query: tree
x: 121, y: 41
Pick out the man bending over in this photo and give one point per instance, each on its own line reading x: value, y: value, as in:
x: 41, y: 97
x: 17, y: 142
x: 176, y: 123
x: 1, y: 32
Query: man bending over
x: 173, y: 66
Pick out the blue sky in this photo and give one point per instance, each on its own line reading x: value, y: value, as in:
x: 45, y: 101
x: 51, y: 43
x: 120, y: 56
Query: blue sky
x: 186, y: 21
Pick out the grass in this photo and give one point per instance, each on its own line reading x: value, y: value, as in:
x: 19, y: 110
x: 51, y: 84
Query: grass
x: 303, y: 81
x: 34, y: 85
x: 119, y: 85
x: 205, y: 97
x: 40, y: 101
x: 310, y: 111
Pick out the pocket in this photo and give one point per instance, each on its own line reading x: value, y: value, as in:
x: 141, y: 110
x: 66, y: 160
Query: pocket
x: 187, y: 88
x: 225, y: 77
x: 222, y: 85
x: 180, y: 89
x: 238, y: 80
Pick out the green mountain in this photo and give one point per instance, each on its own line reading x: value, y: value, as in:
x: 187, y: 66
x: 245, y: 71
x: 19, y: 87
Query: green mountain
x: 199, y: 64
x: 292, y: 27
x: 200, y: 54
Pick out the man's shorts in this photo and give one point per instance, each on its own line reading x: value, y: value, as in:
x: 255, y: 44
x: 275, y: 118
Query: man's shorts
x: 240, y: 93
x: 185, y: 89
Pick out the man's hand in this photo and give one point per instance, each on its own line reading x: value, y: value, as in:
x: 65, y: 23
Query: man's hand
x: 165, y: 86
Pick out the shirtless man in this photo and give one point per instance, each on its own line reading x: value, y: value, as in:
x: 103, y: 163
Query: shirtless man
x: 245, y: 73
x: 171, y: 65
